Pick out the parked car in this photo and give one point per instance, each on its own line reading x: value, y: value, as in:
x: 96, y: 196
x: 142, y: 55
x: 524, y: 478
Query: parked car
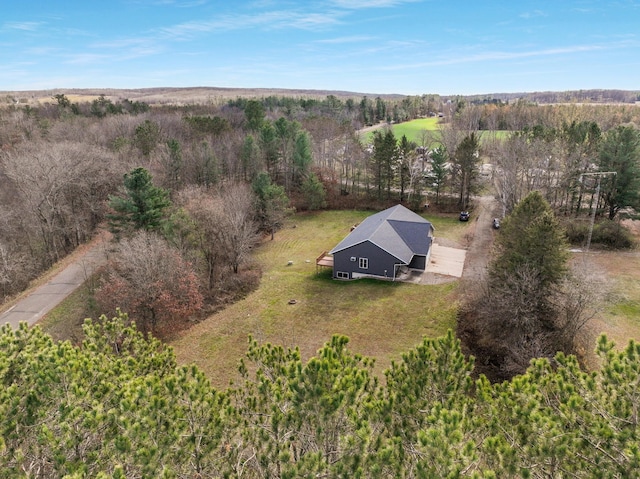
x: 496, y: 223
x: 464, y: 216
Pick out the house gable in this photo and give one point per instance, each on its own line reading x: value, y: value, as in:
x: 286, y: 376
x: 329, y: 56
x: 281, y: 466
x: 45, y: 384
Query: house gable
x: 388, y: 239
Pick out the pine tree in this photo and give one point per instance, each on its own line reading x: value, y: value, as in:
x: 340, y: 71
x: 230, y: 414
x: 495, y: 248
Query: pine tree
x: 531, y: 237
x: 439, y: 171
x: 515, y: 314
x: 314, y: 192
x: 466, y: 160
x: 620, y: 152
x: 141, y: 206
x: 273, y: 203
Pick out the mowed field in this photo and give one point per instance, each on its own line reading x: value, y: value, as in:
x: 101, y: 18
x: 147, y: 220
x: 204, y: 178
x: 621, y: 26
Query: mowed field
x: 415, y: 130
x: 619, y: 317
x: 381, y: 319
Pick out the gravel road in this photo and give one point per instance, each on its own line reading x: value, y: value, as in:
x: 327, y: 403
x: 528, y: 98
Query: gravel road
x: 487, y: 208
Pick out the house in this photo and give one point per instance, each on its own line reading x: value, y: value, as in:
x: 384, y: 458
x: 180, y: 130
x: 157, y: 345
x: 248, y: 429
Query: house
x: 384, y: 245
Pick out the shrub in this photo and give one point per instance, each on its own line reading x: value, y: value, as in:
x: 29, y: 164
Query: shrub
x: 606, y: 233
x: 613, y: 235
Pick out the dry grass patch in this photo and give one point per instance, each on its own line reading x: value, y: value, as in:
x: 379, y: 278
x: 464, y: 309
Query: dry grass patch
x: 382, y: 319
x: 620, y: 319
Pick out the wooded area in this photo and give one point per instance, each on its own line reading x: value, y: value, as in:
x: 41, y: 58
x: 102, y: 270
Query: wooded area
x: 187, y: 192
x: 118, y: 406
x: 61, y: 161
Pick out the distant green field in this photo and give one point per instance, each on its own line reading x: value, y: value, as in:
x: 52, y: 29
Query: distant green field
x: 414, y: 131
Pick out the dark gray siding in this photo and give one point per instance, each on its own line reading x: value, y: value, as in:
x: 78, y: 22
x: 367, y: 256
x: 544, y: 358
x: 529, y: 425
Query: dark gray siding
x: 379, y: 260
x: 418, y: 262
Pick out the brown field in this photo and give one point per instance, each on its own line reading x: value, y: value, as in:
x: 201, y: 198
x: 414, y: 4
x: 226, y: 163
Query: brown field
x: 171, y: 96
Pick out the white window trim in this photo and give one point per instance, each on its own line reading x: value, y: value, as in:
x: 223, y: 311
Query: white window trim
x: 363, y: 263
x: 342, y: 275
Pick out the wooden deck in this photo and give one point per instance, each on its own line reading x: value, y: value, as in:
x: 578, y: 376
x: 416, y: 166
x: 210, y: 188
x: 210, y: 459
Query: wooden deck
x: 324, y: 260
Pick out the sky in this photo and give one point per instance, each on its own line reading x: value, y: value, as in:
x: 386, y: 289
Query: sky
x: 408, y: 47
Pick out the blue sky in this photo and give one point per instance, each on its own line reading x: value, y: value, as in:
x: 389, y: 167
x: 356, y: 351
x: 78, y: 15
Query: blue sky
x: 409, y: 47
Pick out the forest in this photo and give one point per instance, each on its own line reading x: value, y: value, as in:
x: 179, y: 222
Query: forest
x: 117, y: 405
x: 188, y: 192
x: 62, y: 162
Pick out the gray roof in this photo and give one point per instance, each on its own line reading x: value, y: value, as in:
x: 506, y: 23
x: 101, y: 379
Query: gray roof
x: 397, y: 230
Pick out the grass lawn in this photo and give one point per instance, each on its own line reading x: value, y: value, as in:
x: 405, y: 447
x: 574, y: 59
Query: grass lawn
x: 620, y: 319
x: 381, y: 319
x: 65, y: 320
x: 414, y: 129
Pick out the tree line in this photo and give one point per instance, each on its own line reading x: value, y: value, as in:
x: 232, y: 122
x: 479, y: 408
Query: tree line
x: 118, y: 405
x: 59, y: 164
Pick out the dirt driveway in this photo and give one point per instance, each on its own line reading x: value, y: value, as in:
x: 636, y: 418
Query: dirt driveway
x: 482, y: 233
x: 449, y: 262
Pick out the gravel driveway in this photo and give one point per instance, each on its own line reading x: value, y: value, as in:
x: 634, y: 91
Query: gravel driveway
x: 449, y: 263
x: 487, y: 208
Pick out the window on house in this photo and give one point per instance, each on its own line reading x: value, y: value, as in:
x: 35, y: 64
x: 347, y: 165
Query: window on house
x: 342, y: 275
x: 363, y: 263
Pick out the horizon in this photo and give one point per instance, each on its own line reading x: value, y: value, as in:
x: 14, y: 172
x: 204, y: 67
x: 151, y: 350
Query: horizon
x: 384, y: 47
x: 242, y: 92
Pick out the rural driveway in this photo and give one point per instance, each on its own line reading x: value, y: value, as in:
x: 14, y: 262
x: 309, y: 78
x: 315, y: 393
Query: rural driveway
x: 449, y: 262
x: 486, y: 208
x: 44, y: 298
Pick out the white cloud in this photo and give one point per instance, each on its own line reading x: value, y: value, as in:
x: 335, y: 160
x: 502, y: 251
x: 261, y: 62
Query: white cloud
x: 22, y: 26
x: 349, y: 39
x: 454, y: 59
x: 533, y: 14
x: 268, y: 20
x: 358, y: 4
x: 85, y: 58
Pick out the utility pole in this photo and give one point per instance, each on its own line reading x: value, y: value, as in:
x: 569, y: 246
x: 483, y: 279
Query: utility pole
x: 598, y: 175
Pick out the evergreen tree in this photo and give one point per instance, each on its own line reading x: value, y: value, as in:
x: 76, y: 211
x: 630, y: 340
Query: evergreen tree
x: 146, y: 137
x: 249, y: 156
x: 406, y: 150
x: 141, y: 206
x: 273, y: 203
x: 439, y: 170
x: 174, y: 163
x: 269, y: 148
x: 302, y: 157
x: 531, y: 237
x: 620, y: 152
x: 427, y: 412
x: 118, y: 405
x: 255, y: 114
x: 384, y: 158
x: 466, y: 160
x: 306, y: 420
x: 314, y: 192
x: 517, y: 316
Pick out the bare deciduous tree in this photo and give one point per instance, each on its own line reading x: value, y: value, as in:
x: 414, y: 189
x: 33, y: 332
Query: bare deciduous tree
x: 151, y: 281
x: 62, y: 189
x: 224, y: 228
x: 577, y: 300
x: 15, y: 271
